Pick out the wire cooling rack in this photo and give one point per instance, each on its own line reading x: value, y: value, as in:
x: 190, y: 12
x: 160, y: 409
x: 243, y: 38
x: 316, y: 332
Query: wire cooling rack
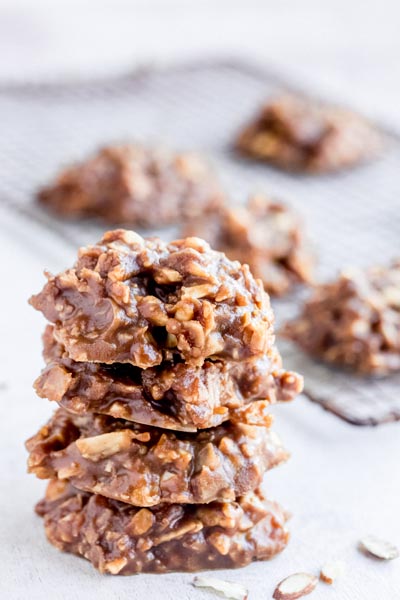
x: 351, y: 218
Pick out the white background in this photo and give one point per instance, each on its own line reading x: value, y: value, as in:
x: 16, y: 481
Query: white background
x: 351, y: 47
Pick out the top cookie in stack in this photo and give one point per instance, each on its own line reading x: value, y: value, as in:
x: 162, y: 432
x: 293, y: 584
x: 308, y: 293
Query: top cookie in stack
x: 130, y: 300
x: 162, y: 359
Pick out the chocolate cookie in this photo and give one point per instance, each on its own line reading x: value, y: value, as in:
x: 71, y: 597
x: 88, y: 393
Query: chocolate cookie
x: 135, y: 185
x: 265, y: 234
x: 354, y: 321
x: 299, y: 134
x: 120, y: 539
x: 138, y: 301
x: 144, y: 466
x: 172, y: 395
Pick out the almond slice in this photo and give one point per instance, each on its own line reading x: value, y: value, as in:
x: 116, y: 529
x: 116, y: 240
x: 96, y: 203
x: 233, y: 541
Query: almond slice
x: 101, y: 446
x: 295, y: 586
x: 235, y: 591
x: 379, y: 548
x: 331, y: 571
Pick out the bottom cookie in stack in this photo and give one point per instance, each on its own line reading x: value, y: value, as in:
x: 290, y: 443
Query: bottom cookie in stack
x: 121, y: 539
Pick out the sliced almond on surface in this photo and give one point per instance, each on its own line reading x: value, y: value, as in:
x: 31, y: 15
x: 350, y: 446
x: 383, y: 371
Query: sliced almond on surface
x: 379, y: 548
x: 295, y: 586
x: 331, y: 571
x: 228, y: 589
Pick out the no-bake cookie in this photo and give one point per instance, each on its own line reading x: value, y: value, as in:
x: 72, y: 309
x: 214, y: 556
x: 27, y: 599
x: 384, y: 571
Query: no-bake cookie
x: 121, y: 539
x: 299, y: 134
x: 136, y: 185
x: 137, y: 301
x: 265, y: 234
x: 353, y: 321
x: 171, y: 396
x: 144, y: 466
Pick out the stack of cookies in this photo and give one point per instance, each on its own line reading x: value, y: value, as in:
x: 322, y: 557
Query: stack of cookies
x: 162, y: 360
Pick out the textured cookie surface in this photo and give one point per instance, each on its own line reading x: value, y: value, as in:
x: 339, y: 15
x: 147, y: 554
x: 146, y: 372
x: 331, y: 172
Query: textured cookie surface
x: 264, y: 234
x: 144, y: 466
x: 119, y: 539
x: 171, y: 396
x: 134, y: 185
x: 354, y: 321
x: 138, y: 301
x: 297, y: 134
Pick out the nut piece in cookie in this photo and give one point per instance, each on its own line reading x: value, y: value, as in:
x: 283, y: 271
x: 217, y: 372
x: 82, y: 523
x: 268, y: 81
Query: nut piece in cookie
x: 121, y: 539
x: 142, y: 301
x: 135, y: 185
x: 353, y: 321
x: 298, y: 134
x: 265, y: 234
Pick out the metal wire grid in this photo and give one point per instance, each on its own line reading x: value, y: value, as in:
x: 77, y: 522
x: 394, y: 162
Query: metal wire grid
x: 352, y: 218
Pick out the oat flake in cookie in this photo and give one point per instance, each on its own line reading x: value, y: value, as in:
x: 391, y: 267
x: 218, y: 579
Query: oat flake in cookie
x: 298, y: 134
x: 354, y: 321
x: 144, y: 466
x: 265, y: 234
x: 121, y: 539
x: 135, y: 185
x: 137, y: 301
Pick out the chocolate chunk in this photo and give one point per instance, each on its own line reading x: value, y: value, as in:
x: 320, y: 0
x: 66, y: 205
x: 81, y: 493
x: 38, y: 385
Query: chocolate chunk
x: 119, y: 539
x: 354, y: 321
x: 266, y: 235
x: 143, y: 465
x: 137, y: 301
x: 298, y: 134
x: 135, y: 185
x: 171, y: 396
